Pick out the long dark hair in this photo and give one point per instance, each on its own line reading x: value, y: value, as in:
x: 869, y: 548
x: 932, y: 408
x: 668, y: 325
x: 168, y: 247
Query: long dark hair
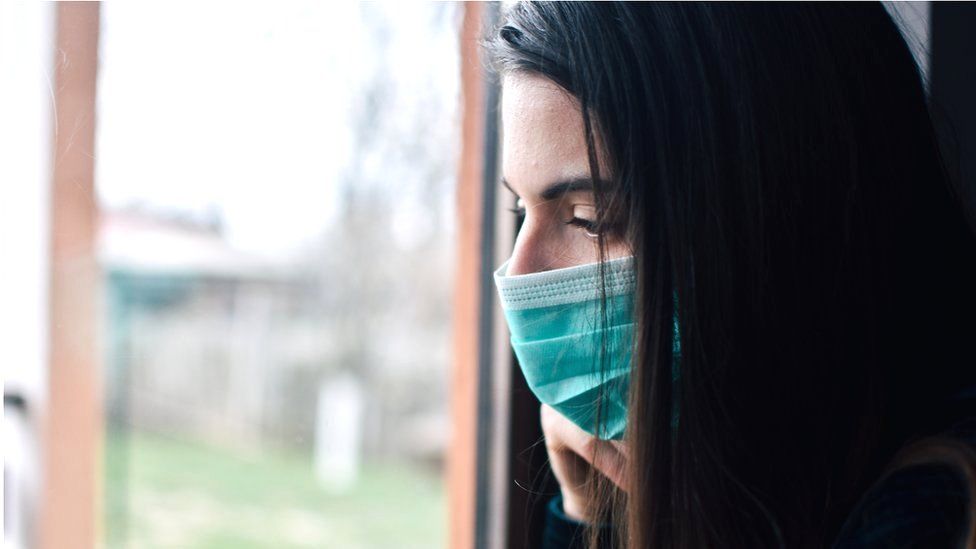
x: 779, y: 178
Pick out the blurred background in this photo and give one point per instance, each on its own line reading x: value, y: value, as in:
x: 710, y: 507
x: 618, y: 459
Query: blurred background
x: 228, y: 278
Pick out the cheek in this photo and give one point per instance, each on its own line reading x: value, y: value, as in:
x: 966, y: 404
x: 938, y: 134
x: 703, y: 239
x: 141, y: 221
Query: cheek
x: 580, y: 248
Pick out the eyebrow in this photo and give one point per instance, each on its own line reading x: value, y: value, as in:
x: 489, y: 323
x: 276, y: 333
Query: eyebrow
x: 559, y: 188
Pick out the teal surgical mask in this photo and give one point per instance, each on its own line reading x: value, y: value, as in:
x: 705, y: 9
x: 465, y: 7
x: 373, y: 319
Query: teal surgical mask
x: 568, y: 354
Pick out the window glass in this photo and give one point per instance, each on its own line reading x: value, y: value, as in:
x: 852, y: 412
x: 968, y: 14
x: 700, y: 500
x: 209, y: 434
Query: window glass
x: 276, y: 193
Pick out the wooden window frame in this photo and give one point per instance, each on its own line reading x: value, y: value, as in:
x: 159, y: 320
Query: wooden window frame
x: 72, y: 423
x: 498, y: 477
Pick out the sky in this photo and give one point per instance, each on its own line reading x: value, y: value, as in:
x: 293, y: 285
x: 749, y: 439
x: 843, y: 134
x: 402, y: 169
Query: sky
x: 244, y: 108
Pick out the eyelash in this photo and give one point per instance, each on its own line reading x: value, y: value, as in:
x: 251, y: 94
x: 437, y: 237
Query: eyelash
x: 590, y: 227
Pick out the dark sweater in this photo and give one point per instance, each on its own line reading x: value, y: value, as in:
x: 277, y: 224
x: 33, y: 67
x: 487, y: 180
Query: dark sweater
x: 922, y: 506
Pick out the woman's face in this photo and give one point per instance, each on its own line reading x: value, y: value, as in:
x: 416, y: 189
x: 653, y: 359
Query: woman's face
x: 545, y: 163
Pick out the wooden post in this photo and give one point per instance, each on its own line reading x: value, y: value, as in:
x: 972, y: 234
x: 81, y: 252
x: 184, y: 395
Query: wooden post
x: 73, y: 420
x: 462, y: 456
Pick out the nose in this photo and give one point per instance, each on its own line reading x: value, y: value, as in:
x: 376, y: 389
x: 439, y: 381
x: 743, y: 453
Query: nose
x: 521, y: 261
x: 533, y: 252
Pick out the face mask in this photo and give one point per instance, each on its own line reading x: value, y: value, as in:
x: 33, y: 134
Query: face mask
x: 561, y: 341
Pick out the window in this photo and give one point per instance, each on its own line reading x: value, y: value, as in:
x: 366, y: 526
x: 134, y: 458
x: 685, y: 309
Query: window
x: 276, y: 236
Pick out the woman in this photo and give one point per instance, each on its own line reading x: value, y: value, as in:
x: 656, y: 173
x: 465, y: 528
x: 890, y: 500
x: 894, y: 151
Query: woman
x: 743, y: 288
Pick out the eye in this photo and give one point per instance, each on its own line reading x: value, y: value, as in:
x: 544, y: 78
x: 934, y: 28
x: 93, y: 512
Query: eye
x: 584, y: 217
x: 589, y: 227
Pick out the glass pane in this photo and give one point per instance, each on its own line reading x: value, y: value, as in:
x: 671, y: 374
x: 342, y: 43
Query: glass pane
x: 276, y: 184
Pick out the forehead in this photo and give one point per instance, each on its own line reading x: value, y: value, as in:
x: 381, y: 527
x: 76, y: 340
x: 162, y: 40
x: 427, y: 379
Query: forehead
x: 543, y: 138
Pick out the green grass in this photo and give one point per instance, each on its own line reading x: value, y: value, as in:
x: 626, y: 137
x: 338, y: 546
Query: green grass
x: 163, y: 493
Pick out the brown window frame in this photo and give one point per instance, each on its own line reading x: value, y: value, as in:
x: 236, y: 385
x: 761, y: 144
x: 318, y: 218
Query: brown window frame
x: 498, y: 474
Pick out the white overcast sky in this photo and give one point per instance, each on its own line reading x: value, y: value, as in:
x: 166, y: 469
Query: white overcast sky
x: 243, y: 106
